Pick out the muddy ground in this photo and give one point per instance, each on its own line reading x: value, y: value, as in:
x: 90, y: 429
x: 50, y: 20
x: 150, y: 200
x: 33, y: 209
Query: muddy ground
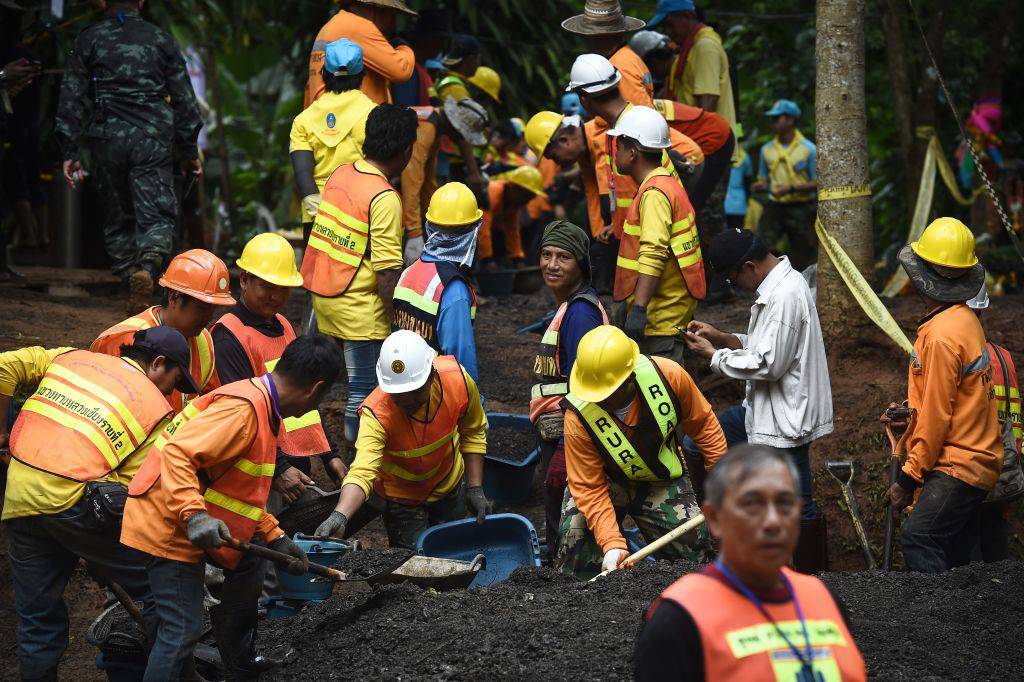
x: 539, y: 625
x: 863, y: 382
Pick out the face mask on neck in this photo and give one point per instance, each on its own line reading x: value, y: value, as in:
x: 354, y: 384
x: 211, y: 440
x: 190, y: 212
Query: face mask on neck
x: 455, y: 247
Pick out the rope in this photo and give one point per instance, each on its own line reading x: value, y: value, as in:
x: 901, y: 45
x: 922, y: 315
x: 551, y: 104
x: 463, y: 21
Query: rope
x: 1003, y: 217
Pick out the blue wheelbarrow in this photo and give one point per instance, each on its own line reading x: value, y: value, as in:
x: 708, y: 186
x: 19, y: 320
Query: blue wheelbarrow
x: 507, y: 542
x: 507, y: 481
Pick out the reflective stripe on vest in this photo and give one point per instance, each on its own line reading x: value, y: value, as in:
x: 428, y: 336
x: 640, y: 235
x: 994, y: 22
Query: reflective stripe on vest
x: 235, y: 491
x: 1003, y: 384
x: 419, y: 455
x: 630, y: 461
x: 418, y: 294
x: 684, y: 241
x: 89, y: 414
x: 340, y: 236
x: 301, y: 436
x: 739, y: 643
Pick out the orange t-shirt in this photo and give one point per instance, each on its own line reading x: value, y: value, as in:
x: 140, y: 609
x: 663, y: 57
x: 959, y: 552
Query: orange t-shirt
x: 956, y: 427
x: 585, y: 467
x: 506, y: 219
x: 384, y: 64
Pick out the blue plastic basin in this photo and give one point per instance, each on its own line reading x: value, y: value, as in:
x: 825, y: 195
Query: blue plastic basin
x: 508, y: 541
x: 302, y: 587
x: 507, y: 481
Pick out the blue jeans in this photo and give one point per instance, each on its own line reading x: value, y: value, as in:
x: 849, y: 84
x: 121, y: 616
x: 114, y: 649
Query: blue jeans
x: 44, y: 551
x: 733, y: 423
x: 361, y: 365
x: 178, y: 591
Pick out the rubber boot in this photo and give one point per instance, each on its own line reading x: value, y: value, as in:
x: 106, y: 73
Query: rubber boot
x: 811, y: 553
x: 140, y: 287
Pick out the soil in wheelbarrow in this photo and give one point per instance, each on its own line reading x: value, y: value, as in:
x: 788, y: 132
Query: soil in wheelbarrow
x: 511, y: 444
x: 368, y: 562
x: 541, y: 625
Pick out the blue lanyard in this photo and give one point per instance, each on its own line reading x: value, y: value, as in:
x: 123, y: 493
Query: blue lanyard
x: 808, y: 662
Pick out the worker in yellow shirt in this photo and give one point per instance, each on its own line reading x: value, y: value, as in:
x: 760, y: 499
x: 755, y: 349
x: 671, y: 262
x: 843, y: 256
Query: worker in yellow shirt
x: 660, y: 272
x: 79, y: 440
x: 330, y: 132
x: 699, y: 76
x: 354, y: 254
x: 605, y: 27
x: 461, y: 61
x: 420, y: 453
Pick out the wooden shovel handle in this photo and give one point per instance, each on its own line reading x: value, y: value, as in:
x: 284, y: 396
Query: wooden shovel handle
x: 653, y: 547
x: 282, y: 558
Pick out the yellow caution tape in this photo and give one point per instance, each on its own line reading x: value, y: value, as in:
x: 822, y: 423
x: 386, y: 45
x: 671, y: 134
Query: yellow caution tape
x: 860, y: 289
x: 934, y: 159
x: 843, y: 192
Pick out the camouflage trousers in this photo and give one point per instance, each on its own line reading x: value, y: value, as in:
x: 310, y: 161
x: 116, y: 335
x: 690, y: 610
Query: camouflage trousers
x: 135, y: 179
x: 655, y: 508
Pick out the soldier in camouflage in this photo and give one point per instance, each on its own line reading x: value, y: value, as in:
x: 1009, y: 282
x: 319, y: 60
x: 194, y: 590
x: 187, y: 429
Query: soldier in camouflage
x: 625, y: 415
x: 131, y: 76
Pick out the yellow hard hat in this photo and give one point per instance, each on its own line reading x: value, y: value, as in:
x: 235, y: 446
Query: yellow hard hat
x: 540, y: 129
x: 605, y: 358
x: 453, y: 204
x: 270, y: 257
x: 488, y: 80
x: 948, y: 243
x: 526, y: 177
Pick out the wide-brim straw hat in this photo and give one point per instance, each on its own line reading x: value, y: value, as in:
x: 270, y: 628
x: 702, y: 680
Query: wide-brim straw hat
x: 602, y: 17
x: 391, y: 4
x: 937, y: 285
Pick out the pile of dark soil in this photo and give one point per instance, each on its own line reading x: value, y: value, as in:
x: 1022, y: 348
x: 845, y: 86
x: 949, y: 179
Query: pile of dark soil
x: 367, y: 562
x: 510, y: 444
x: 542, y: 625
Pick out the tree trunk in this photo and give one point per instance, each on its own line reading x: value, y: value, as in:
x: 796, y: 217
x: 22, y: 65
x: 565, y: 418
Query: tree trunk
x: 902, y: 100
x: 222, y: 145
x: 842, y: 160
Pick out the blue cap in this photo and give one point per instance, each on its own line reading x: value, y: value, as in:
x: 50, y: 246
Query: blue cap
x: 433, y: 64
x: 784, y: 107
x: 571, y: 105
x: 343, y: 58
x: 666, y: 7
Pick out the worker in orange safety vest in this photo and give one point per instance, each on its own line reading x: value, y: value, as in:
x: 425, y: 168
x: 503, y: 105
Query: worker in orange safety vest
x: 419, y: 457
x: 205, y: 481
x: 509, y: 193
x: 196, y: 283
x: 748, y: 616
x: 77, y: 443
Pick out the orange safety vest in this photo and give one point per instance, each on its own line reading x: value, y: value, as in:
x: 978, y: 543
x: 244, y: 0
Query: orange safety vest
x: 1007, y: 385
x: 235, y: 491
x: 301, y: 436
x: 546, y: 395
x: 202, y: 363
x: 89, y: 414
x: 418, y: 295
x: 340, y: 236
x: 708, y: 129
x: 419, y: 455
x: 684, y: 243
x: 739, y: 644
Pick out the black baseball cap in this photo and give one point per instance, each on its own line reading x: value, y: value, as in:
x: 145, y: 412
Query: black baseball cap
x: 169, y: 343
x: 731, y: 248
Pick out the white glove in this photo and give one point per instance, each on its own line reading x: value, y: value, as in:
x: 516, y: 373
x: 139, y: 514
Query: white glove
x: 612, y: 558
x: 311, y: 204
x: 413, y: 250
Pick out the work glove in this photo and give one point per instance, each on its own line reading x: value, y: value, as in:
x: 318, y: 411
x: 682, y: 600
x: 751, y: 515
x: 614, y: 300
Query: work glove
x: 206, y: 532
x: 413, y: 250
x: 299, y: 563
x: 612, y: 559
x: 311, y: 204
x: 617, y: 314
x: 636, y: 322
x: 333, y: 526
x: 477, y: 502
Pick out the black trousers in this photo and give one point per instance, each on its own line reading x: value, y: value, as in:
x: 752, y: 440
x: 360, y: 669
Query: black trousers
x: 944, y: 526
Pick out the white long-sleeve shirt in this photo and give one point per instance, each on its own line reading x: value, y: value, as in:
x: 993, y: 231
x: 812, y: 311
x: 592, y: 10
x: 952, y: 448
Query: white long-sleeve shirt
x: 788, y: 395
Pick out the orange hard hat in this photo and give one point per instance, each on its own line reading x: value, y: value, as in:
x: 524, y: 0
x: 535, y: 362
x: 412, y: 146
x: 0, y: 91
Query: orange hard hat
x: 199, y: 274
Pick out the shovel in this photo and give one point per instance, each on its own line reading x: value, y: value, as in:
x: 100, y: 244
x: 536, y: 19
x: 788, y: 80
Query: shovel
x: 898, y: 414
x: 283, y: 559
x: 674, y: 534
x: 843, y: 473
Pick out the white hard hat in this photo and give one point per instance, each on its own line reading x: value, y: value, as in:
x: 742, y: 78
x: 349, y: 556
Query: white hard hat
x: 980, y: 300
x: 593, y: 74
x: 643, y: 42
x: 645, y: 125
x: 405, y: 362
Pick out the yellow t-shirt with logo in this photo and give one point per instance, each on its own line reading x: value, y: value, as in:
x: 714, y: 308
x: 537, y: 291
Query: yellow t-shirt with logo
x: 333, y: 128
x: 707, y: 73
x: 358, y: 314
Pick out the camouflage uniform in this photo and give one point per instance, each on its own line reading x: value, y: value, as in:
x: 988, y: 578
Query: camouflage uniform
x: 656, y: 508
x: 132, y: 76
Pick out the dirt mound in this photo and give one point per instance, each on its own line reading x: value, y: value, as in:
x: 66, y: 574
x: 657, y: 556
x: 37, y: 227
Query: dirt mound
x: 511, y: 444
x: 541, y: 625
x: 372, y: 561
